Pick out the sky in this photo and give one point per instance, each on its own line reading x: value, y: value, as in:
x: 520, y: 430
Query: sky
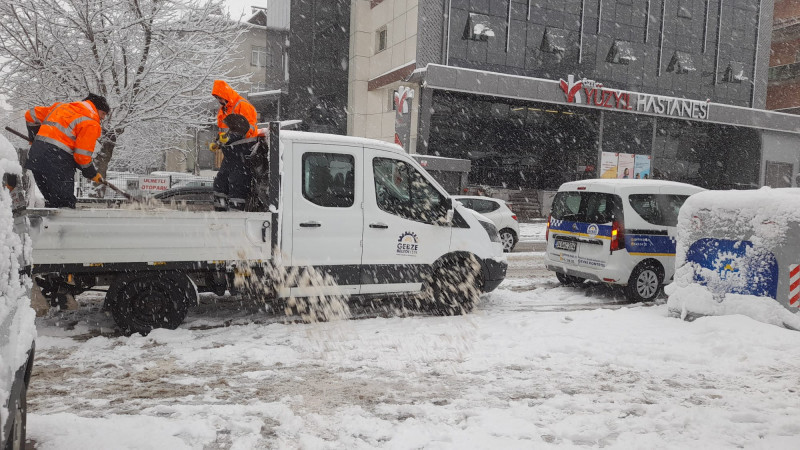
x: 236, y: 7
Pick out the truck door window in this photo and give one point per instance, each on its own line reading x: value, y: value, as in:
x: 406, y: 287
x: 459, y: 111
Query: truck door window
x: 402, y: 191
x: 328, y: 179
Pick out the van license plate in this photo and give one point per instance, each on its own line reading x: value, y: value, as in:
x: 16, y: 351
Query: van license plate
x: 569, y: 246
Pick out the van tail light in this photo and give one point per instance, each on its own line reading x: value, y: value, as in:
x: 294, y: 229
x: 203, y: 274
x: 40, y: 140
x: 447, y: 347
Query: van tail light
x: 514, y: 216
x: 617, y: 236
x: 547, y: 230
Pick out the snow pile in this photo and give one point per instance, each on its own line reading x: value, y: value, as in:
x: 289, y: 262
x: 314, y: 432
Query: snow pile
x: 765, y: 218
x: 17, y: 330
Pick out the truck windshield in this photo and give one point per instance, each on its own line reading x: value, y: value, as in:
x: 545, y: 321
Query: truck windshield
x: 588, y: 207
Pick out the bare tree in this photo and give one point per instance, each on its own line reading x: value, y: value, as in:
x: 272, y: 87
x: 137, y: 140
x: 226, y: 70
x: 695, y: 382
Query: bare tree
x: 154, y: 60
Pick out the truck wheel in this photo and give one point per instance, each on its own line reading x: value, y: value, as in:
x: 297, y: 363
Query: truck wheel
x: 569, y: 280
x: 141, y: 302
x: 16, y: 440
x: 508, y: 239
x: 455, y: 286
x: 644, y: 283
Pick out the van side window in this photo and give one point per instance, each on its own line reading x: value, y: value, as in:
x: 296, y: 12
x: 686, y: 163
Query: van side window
x: 402, y: 191
x: 658, y: 209
x: 329, y: 179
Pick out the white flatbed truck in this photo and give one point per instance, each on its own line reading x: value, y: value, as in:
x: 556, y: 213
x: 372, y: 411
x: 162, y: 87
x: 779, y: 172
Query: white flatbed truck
x: 360, y: 211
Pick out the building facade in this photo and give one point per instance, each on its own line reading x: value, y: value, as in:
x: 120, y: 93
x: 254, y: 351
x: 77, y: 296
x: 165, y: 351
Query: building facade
x: 783, y: 92
x: 536, y: 93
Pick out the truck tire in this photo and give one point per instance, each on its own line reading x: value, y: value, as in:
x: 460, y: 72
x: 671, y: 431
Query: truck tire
x: 141, y: 302
x: 645, y: 282
x: 19, y: 419
x: 455, y: 286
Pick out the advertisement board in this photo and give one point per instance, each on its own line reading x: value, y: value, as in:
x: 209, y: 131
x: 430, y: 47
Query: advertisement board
x: 608, y: 165
x: 641, y: 167
x: 625, y: 165
x: 152, y: 185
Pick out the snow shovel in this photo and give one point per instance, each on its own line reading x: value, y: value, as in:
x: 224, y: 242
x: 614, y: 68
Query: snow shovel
x: 120, y: 191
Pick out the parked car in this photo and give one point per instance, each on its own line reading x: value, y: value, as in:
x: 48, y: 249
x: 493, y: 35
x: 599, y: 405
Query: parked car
x: 617, y: 232
x: 17, y: 330
x: 499, y: 212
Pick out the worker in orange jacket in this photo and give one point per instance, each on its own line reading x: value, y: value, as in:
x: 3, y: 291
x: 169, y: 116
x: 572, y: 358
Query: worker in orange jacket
x: 232, y: 183
x: 34, y: 118
x: 65, y: 142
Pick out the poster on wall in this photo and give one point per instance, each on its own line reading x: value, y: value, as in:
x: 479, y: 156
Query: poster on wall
x: 403, y: 97
x: 625, y: 165
x: 608, y: 165
x: 641, y: 167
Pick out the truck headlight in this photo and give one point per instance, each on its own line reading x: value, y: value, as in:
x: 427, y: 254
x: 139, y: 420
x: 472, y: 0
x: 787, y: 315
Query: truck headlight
x: 494, y: 236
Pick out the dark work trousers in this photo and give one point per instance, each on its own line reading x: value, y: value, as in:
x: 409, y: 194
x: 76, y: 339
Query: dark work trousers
x: 235, y: 175
x: 54, y: 172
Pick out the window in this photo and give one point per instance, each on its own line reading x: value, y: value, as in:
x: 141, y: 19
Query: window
x: 258, y: 56
x: 382, y: 36
x: 328, y: 179
x: 402, y: 191
x: 484, y: 206
x: 478, y: 28
x: 587, y: 207
x: 658, y: 209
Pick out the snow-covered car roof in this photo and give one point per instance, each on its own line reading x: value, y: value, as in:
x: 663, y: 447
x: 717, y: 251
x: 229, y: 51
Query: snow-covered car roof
x: 627, y: 186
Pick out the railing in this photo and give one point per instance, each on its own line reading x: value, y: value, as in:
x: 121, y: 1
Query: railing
x: 138, y: 185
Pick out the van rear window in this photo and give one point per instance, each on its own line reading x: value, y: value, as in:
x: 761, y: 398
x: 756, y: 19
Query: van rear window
x: 588, y: 207
x: 658, y: 209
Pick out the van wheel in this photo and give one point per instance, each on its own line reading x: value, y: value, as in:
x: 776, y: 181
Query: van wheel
x: 455, y: 286
x: 16, y: 441
x: 644, y: 283
x: 569, y: 280
x: 141, y: 302
x: 508, y: 239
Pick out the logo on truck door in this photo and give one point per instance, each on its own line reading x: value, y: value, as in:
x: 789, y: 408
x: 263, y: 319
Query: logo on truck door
x: 408, y: 244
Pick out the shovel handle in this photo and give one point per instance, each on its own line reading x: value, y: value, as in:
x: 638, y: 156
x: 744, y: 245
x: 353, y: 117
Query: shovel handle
x: 17, y: 133
x: 118, y: 190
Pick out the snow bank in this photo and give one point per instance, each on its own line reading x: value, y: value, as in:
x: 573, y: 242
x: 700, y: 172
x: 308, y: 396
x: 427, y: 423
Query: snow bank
x: 17, y: 329
x: 734, y: 250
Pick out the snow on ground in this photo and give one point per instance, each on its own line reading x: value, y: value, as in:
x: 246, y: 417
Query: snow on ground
x: 526, y: 370
x: 532, y: 232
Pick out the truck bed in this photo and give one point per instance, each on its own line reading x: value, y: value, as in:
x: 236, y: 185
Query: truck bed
x: 101, y: 237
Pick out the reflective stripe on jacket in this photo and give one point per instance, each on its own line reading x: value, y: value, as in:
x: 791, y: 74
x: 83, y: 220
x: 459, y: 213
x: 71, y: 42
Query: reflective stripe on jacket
x: 74, y: 128
x: 236, y: 105
x: 36, y: 115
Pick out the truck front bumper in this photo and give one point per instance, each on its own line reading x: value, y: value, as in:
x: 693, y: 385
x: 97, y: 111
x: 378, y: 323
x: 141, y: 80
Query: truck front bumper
x: 494, y: 272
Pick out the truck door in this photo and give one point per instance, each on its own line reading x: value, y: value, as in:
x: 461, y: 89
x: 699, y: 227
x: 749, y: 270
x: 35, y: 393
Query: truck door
x: 327, y: 218
x: 404, y: 230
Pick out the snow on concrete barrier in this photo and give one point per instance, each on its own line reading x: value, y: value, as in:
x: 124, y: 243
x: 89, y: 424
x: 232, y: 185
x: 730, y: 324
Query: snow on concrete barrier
x: 738, y: 252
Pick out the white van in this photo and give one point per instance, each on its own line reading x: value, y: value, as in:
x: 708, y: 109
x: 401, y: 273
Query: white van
x: 617, y: 232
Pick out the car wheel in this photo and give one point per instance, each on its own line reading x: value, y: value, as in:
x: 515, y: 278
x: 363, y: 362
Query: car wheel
x: 141, y: 302
x: 455, y: 286
x: 16, y: 441
x: 569, y: 280
x: 644, y: 283
x: 508, y: 239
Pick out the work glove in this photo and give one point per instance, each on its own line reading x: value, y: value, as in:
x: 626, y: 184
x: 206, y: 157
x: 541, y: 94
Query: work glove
x: 223, y: 138
x: 213, y: 146
x: 98, y: 179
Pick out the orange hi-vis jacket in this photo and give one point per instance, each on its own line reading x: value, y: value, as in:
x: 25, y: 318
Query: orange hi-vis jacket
x: 236, y: 105
x: 36, y: 115
x: 74, y: 128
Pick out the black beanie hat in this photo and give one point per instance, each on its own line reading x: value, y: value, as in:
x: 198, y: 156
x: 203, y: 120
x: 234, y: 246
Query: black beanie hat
x: 237, y: 123
x: 99, y: 102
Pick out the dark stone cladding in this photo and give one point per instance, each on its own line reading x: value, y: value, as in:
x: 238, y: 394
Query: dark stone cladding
x: 712, y: 33
x: 318, y: 65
